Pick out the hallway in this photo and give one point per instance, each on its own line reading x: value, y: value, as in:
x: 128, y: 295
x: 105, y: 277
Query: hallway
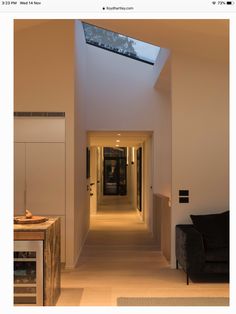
x: 120, y: 259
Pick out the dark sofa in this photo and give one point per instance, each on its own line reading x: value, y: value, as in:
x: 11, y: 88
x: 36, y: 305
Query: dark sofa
x: 202, y: 248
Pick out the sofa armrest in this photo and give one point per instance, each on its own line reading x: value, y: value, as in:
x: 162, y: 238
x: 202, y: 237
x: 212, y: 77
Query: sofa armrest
x: 189, y: 249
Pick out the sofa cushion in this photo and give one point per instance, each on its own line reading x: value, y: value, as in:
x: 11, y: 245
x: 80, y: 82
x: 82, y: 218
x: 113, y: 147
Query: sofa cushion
x: 214, y: 229
x: 217, y: 254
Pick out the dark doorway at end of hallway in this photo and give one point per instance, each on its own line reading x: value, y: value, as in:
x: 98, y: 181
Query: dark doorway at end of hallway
x: 115, y: 174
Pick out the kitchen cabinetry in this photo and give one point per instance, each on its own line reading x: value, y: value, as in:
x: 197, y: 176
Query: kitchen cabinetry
x: 39, y: 168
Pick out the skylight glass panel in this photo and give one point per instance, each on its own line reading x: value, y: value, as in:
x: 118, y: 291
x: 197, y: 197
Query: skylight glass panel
x: 120, y: 44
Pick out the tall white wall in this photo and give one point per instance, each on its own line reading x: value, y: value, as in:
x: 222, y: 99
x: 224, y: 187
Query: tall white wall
x: 199, y: 137
x: 82, y: 193
x: 121, y: 93
x: 162, y: 150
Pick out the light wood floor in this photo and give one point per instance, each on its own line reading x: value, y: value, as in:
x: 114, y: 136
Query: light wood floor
x: 120, y: 259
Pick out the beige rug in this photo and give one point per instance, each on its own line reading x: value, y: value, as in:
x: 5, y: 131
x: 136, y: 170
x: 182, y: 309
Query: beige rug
x: 151, y: 301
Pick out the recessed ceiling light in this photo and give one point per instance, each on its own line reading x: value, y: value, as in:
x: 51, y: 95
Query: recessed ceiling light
x: 118, y: 134
x: 117, y: 145
x: 118, y: 141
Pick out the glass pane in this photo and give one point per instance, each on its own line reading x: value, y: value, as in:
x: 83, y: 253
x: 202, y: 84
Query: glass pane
x: 115, y: 176
x: 110, y: 177
x: 25, y: 254
x: 122, y: 176
x: 114, y: 152
x: 24, y: 272
x: 120, y: 44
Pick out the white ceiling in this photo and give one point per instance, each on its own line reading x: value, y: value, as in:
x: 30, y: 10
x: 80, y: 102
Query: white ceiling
x: 129, y: 138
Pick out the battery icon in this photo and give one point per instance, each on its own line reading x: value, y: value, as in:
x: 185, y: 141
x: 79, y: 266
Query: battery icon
x: 229, y: 2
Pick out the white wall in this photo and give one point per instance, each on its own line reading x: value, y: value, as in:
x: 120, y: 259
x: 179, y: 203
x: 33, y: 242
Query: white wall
x: 122, y: 96
x: 199, y: 137
x: 148, y: 182
x: 82, y: 193
x: 163, y: 149
x: 160, y: 64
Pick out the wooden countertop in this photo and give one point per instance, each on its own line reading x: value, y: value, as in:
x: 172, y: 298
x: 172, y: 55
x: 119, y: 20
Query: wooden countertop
x: 36, y: 227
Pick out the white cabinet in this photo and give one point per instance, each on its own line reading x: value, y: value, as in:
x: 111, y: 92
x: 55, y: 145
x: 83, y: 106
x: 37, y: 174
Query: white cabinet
x: 45, y: 178
x: 39, y: 169
x: 39, y: 178
x: 39, y: 129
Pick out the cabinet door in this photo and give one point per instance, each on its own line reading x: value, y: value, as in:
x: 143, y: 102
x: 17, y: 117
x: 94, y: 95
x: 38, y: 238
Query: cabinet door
x: 19, y: 178
x: 45, y: 178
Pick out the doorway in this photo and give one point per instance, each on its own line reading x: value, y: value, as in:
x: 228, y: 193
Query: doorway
x: 121, y: 171
x: 115, y: 173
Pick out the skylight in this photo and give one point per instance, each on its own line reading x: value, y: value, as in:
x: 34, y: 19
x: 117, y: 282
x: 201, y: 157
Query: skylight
x: 120, y: 44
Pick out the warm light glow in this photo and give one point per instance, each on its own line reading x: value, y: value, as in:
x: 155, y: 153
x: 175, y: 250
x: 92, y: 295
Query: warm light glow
x: 118, y: 141
x: 117, y: 145
x: 118, y: 134
x: 132, y: 157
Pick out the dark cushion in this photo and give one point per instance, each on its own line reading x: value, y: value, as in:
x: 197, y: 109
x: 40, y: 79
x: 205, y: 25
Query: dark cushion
x: 214, y: 229
x: 217, y: 254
